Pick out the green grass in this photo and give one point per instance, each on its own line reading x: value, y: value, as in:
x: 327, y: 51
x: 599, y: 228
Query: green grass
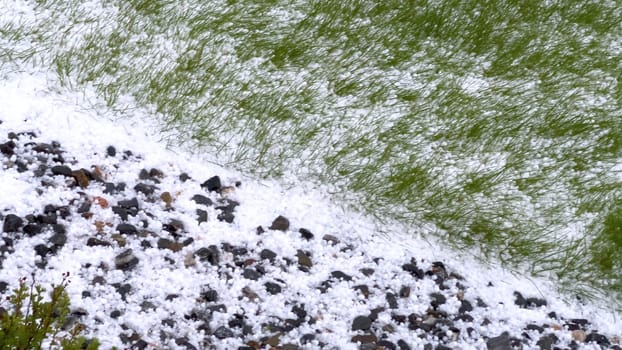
x: 498, y: 123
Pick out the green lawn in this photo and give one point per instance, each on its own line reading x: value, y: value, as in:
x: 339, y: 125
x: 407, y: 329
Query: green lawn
x: 496, y: 123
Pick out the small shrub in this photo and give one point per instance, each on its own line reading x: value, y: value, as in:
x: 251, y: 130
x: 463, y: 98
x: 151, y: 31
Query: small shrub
x: 29, y: 320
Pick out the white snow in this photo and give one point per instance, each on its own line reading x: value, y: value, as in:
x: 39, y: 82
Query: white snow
x: 27, y: 103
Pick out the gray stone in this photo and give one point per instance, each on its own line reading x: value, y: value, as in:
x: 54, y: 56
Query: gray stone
x: 361, y: 323
x: 501, y: 342
x: 126, y: 260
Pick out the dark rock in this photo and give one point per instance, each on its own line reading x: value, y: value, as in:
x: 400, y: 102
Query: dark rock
x: 465, y: 306
x: 164, y: 243
x: 331, y: 239
x: 341, y: 276
x: 403, y: 345
x: 184, y: 177
x: 174, y: 227
x: 272, y: 288
x: 251, y: 274
x: 404, y: 292
x: 306, y: 234
x: 267, y: 254
x: 239, y: 251
x: 536, y: 302
x: 442, y: 347
x: 226, y: 217
x: 501, y: 342
x: 387, y: 345
x: 40, y: 171
x: 49, y: 218
x: 84, y: 207
x: 391, y: 300
x: 365, y: 339
x: 126, y: 260
x: 307, y: 338
x: 364, y: 289
x: 361, y: 323
x: 223, y: 332
x: 210, y: 295
x: 7, y: 148
x: 115, y: 314
x: 185, y: 343
x: 109, y: 188
x: 201, y: 199
x: 157, y: 173
x: 534, y: 327
x: 32, y: 229
x: 111, y: 151
x: 597, y: 338
x: 212, y: 184
x: 61, y: 170
x: 546, y: 342
x: 12, y: 223
x: 128, y: 203
x: 58, y: 239
x: 281, y: 223
x: 92, y: 242
x: 123, y: 289
x: 127, y: 229
x: 145, y: 189
x: 144, y: 175
x: 367, y: 271
x: 437, y: 299
x: 210, y: 254
x: 201, y: 215
x: 580, y: 321
x: 413, y: 270
x: 41, y: 250
x: 139, y: 345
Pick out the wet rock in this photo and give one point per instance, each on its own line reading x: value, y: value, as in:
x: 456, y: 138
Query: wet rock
x: 361, y: 323
x: 12, y: 223
x: 212, y: 184
x: 61, y: 170
x: 201, y: 199
x: 281, y: 223
x: 126, y: 260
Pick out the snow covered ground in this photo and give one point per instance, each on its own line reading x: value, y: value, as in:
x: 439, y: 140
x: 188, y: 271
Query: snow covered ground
x: 251, y: 294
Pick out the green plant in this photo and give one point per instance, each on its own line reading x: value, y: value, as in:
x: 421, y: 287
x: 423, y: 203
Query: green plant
x: 30, y: 321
